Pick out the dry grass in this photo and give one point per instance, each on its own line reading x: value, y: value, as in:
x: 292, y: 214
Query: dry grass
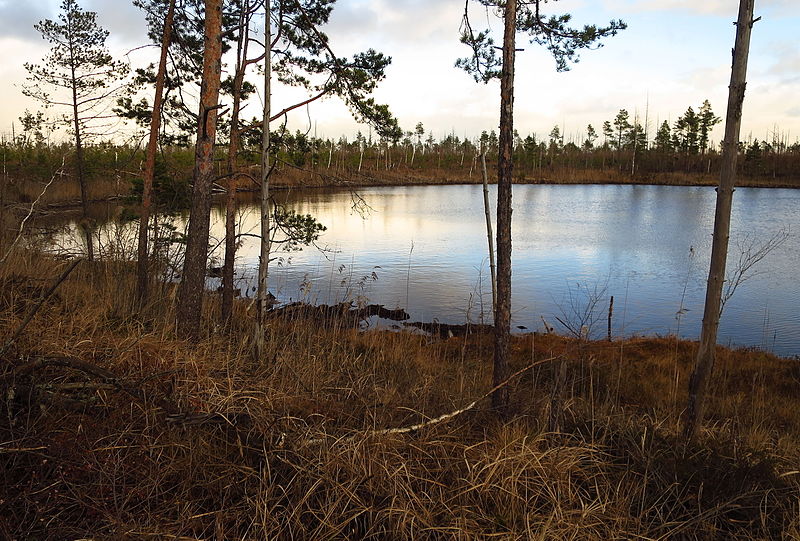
x: 290, y: 455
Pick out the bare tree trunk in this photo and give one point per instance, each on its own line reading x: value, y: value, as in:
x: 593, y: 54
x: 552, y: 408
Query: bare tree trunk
x: 488, y: 212
x: 79, y: 165
x: 142, y: 264
x: 704, y: 363
x: 263, y: 262
x: 233, y: 149
x: 505, y: 170
x: 192, y: 288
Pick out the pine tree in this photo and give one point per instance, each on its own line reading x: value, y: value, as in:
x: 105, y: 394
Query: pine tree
x: 190, y: 293
x: 706, y: 122
x: 563, y: 42
x: 556, y: 141
x: 591, y: 136
x: 663, y: 140
x: 621, y: 126
x: 78, y: 73
x: 608, y: 133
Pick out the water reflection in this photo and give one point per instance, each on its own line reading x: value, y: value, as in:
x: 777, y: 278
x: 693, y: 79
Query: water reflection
x: 648, y: 245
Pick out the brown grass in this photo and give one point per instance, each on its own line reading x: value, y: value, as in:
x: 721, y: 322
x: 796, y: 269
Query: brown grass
x: 288, y: 454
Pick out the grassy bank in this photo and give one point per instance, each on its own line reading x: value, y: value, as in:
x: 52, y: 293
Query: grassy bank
x: 113, y: 429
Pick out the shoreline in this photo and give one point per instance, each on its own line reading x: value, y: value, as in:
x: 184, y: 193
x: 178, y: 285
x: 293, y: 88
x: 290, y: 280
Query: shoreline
x: 283, y: 184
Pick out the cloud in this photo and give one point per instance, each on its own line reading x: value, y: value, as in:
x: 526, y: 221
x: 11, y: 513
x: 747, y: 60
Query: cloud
x: 786, y: 65
x: 410, y: 23
x: 17, y: 18
x: 704, y: 7
x: 124, y: 21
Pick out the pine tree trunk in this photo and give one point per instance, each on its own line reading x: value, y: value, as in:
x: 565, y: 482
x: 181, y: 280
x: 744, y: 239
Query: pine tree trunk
x: 79, y: 165
x: 233, y: 149
x: 704, y: 363
x: 505, y: 170
x: 192, y: 288
x: 142, y: 264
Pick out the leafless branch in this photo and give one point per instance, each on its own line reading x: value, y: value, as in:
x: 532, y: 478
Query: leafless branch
x: 57, y: 174
x: 751, y: 253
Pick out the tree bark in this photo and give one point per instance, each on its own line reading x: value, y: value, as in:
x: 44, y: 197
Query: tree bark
x: 704, y: 364
x: 505, y: 169
x: 79, y: 162
x: 192, y: 288
x: 263, y: 261
x: 487, y: 211
x: 233, y: 149
x: 142, y: 264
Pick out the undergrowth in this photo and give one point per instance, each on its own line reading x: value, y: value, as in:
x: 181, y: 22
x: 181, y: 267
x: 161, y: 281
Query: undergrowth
x: 174, y: 440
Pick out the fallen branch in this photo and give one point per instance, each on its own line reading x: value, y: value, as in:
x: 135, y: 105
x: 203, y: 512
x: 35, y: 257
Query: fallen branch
x: 444, y: 417
x: 447, y: 330
x: 338, y: 312
x: 39, y: 305
x: 89, y: 369
x: 58, y: 173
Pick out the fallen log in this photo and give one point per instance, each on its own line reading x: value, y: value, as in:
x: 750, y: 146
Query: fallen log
x: 447, y: 330
x: 342, y: 313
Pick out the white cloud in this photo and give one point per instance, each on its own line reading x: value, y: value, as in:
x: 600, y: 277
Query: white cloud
x: 124, y: 21
x: 704, y: 7
x: 17, y: 18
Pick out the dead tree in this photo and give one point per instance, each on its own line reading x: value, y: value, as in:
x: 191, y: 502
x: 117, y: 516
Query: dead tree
x: 704, y: 364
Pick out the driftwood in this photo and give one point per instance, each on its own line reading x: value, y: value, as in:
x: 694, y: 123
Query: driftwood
x: 348, y: 315
x: 441, y: 418
x: 446, y: 330
x: 343, y: 313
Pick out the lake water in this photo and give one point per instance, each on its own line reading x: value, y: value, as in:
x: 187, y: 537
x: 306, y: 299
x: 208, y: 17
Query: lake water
x: 424, y: 248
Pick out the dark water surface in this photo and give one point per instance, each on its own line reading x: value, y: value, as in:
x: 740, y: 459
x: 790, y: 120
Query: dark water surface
x: 424, y: 248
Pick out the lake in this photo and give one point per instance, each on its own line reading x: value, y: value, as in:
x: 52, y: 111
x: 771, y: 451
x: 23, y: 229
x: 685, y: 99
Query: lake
x: 423, y: 248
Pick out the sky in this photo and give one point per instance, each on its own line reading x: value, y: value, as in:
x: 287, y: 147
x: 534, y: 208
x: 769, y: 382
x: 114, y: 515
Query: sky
x: 674, y: 54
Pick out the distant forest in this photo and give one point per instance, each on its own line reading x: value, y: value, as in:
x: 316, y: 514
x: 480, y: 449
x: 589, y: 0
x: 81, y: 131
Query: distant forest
x: 623, y: 149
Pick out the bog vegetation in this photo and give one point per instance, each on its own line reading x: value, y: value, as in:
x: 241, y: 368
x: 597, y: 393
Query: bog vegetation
x: 113, y: 428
